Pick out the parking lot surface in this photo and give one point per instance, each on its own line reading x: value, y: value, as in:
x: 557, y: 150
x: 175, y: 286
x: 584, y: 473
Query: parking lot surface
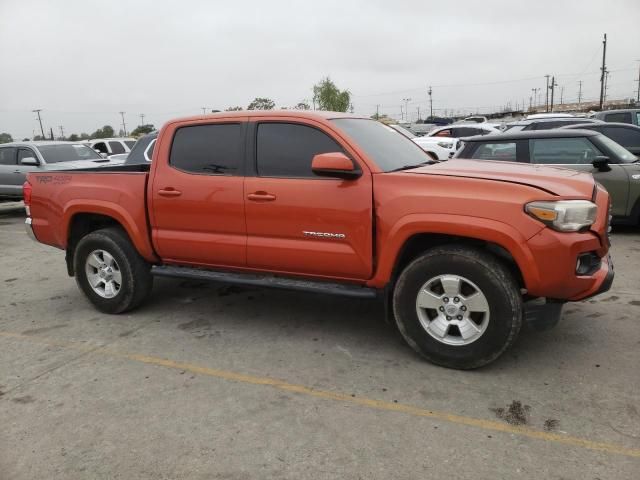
x: 212, y: 381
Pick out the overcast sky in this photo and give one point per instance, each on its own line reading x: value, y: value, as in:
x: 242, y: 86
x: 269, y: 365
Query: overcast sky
x: 83, y: 61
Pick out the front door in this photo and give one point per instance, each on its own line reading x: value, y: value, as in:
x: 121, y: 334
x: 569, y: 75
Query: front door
x: 578, y: 153
x: 298, y: 222
x: 197, y: 211
x: 8, y: 167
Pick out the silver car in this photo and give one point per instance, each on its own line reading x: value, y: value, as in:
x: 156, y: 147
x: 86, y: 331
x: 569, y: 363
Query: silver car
x: 19, y: 158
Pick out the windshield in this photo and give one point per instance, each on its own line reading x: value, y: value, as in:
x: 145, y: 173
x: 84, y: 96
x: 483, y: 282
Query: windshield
x: 67, y: 152
x: 624, y: 155
x: 383, y: 144
x: 403, y: 131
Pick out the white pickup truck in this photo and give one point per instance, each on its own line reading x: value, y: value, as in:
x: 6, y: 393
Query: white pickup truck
x: 442, y: 142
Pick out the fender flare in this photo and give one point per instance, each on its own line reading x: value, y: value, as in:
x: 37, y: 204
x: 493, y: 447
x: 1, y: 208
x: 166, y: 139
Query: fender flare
x: 473, y: 228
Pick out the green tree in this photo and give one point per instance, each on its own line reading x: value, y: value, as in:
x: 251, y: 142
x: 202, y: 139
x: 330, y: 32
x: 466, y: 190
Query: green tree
x: 327, y: 96
x: 143, y: 130
x: 5, y: 138
x: 73, y: 137
x: 233, y: 109
x: 302, y: 106
x: 260, y: 103
x: 84, y: 136
x: 104, y: 132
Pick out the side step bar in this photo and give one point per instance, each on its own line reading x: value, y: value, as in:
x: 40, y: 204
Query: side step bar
x: 331, y: 288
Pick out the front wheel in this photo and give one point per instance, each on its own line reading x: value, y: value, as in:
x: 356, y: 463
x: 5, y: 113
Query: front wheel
x: 458, y: 307
x: 110, y: 272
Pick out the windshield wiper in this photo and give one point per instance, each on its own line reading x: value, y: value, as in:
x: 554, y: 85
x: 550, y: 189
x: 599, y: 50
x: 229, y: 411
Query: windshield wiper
x: 407, y: 167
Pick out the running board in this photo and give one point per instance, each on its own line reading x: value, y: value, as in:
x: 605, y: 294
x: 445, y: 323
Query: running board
x: 270, y: 281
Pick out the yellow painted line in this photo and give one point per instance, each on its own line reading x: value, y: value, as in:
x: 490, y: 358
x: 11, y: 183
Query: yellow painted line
x: 341, y: 397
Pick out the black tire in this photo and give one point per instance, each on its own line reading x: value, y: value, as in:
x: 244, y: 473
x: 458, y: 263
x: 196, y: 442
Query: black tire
x: 494, y: 280
x: 137, y: 280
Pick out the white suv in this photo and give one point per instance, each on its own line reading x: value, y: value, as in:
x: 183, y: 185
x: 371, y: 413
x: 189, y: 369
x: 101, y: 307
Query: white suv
x: 112, y: 146
x: 442, y: 142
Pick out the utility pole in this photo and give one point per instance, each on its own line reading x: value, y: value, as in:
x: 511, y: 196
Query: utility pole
x: 561, y: 94
x: 553, y: 87
x: 40, y: 121
x: 401, y: 114
x: 61, y: 132
x: 378, y: 112
x: 530, y: 100
x: 603, y: 70
x: 418, y: 112
x: 546, y: 102
x: 141, y: 119
x: 124, y: 126
x: 430, y: 104
x: 535, y: 96
x: 204, y: 109
x: 638, y: 98
x: 579, y: 92
x: 606, y: 85
x: 51, y: 133
x: 406, y: 106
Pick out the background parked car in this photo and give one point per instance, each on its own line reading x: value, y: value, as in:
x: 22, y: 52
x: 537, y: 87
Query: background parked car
x: 628, y: 115
x: 625, y: 134
x: 442, y: 142
x: 585, y: 150
x: 142, y: 151
x: 547, y: 123
x: 112, y: 146
x: 18, y: 158
x: 407, y: 133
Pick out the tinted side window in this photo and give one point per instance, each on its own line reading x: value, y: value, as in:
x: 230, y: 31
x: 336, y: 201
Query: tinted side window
x: 8, y: 156
x: 496, y: 151
x: 148, y: 153
x: 101, y: 147
x: 624, y: 117
x: 562, y: 151
x: 627, y: 137
x: 129, y: 143
x: 210, y: 149
x: 286, y: 149
x: 116, y: 147
x: 466, y: 131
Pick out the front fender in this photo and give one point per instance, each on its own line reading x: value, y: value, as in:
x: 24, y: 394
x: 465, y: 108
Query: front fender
x: 488, y: 230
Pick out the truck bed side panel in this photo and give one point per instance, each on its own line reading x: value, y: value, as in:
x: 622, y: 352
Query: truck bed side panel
x: 58, y: 197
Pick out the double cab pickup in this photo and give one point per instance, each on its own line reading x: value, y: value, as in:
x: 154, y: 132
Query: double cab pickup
x: 461, y: 253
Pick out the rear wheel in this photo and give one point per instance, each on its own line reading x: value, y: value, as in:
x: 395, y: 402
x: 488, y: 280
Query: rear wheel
x: 458, y: 307
x: 110, y: 272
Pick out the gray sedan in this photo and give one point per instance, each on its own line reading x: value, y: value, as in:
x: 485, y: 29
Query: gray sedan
x: 19, y: 158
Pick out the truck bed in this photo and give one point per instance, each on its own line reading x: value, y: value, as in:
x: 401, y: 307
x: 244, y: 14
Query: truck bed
x: 116, y: 191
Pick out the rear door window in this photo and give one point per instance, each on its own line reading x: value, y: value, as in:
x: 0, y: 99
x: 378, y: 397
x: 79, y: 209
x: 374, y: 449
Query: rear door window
x: 562, y: 151
x: 287, y: 149
x: 8, y: 156
x: 622, y: 117
x: 129, y: 143
x: 505, y: 151
x: 443, y: 133
x: 208, y: 149
x: 101, y: 147
x: 116, y: 147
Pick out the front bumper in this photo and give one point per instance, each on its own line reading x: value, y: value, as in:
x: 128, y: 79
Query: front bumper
x: 29, y: 229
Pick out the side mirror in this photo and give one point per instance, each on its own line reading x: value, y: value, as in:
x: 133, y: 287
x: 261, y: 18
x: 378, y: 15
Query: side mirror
x: 334, y: 164
x: 29, y: 161
x: 601, y: 163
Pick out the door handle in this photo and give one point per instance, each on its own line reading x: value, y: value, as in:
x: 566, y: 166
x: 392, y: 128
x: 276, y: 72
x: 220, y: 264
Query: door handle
x: 261, y: 197
x: 169, y: 192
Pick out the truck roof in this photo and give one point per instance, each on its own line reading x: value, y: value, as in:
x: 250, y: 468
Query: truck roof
x: 38, y: 143
x: 527, y: 134
x: 310, y: 114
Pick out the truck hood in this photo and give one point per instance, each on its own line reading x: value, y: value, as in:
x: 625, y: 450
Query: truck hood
x: 557, y: 181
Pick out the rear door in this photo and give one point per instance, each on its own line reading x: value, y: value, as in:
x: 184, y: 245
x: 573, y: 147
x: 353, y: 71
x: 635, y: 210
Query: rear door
x: 628, y: 137
x: 578, y: 153
x: 298, y: 222
x: 8, y: 167
x: 197, y: 212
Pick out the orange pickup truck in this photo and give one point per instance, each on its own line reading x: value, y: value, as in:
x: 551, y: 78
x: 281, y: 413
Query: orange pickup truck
x: 461, y: 252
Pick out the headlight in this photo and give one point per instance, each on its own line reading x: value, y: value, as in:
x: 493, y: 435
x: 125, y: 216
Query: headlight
x: 564, y: 215
x: 445, y: 144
